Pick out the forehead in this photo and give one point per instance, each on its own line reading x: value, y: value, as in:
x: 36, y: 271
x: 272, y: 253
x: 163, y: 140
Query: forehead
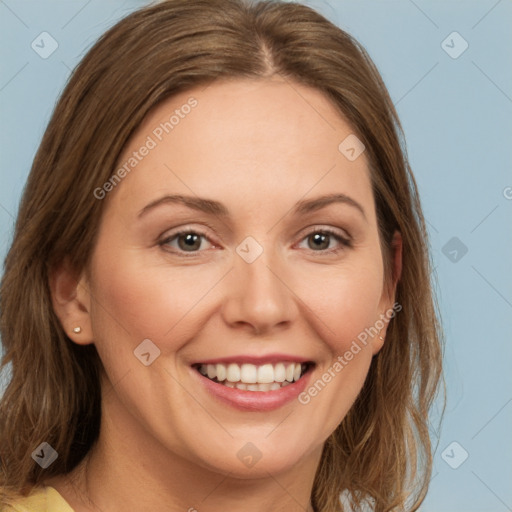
x: 264, y: 139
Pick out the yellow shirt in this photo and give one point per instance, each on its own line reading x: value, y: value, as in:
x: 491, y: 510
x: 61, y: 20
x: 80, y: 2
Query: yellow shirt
x: 41, y: 499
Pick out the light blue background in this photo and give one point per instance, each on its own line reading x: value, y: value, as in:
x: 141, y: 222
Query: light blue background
x: 457, y: 116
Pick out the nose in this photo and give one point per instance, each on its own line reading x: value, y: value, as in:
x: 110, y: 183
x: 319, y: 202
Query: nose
x: 258, y: 297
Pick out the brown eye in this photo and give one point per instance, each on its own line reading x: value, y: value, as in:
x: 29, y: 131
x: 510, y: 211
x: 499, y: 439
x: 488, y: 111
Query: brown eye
x: 319, y: 241
x: 184, y: 241
x: 189, y: 241
x: 326, y: 241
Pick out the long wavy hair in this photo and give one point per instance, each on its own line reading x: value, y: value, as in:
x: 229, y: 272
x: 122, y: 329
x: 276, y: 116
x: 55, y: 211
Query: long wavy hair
x: 381, y: 453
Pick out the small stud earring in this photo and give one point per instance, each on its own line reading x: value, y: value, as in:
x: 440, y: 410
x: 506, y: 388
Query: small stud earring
x: 77, y: 330
x: 381, y: 338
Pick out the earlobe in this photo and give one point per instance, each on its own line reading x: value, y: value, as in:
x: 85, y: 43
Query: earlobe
x: 71, y: 301
x: 378, y: 343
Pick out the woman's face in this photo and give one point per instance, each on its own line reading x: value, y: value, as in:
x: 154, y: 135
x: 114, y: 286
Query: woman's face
x: 242, y: 242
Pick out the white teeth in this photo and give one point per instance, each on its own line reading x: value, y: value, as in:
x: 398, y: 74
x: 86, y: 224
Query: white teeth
x: 257, y: 387
x: 279, y: 372
x: 249, y: 374
x: 267, y: 377
x: 266, y: 374
x: 233, y: 373
x: 290, y: 370
x: 221, y: 372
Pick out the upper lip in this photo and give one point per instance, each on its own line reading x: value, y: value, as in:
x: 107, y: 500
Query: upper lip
x: 256, y: 360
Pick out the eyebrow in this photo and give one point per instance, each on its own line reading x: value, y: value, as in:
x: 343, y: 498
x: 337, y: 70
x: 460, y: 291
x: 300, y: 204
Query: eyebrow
x: 216, y: 208
x: 321, y: 202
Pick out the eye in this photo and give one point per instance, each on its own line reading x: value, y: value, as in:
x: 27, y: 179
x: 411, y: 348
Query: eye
x: 190, y: 241
x: 322, y: 240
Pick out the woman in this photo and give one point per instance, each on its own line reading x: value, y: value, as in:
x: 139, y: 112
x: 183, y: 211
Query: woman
x: 218, y: 293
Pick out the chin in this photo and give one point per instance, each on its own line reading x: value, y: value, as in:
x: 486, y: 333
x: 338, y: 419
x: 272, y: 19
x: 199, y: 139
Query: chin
x: 255, y: 459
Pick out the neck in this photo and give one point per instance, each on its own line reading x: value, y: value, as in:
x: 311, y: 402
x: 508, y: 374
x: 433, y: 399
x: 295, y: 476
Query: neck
x: 127, y: 469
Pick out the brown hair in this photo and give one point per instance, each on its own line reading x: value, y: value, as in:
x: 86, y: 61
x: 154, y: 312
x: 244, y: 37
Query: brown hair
x: 381, y: 451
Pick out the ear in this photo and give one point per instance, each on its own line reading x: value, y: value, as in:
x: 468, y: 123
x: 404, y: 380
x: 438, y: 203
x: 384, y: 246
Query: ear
x: 387, y: 302
x: 71, y: 302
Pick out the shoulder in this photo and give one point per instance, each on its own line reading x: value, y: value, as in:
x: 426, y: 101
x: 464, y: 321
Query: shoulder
x: 41, y: 499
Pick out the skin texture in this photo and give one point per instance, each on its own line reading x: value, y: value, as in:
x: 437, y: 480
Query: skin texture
x: 258, y: 147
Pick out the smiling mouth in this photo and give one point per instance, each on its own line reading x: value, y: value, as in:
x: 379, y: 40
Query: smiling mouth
x: 251, y: 377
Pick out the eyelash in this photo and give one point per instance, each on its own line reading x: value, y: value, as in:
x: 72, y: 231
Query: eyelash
x: 344, y: 242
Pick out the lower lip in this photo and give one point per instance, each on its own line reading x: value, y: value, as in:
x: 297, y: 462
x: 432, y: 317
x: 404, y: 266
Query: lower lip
x: 254, y: 400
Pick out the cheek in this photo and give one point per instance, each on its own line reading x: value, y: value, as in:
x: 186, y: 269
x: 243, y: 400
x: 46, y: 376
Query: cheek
x: 347, y: 300
x: 346, y: 307
x: 133, y: 300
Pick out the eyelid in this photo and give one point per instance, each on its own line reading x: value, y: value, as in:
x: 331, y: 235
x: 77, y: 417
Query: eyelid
x: 325, y: 228
x: 344, y: 238
x: 171, y: 235
x: 186, y: 228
